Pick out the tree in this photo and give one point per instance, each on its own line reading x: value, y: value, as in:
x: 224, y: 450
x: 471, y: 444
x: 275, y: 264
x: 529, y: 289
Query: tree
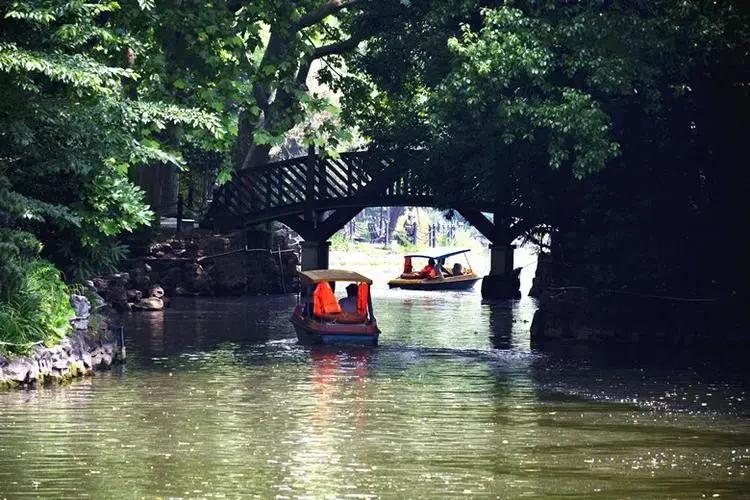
x: 68, y: 137
x: 530, y: 101
x: 299, y: 34
x: 188, y: 53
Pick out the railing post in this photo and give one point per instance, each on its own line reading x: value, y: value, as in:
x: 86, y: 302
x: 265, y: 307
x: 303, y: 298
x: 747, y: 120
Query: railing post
x: 269, y: 201
x: 349, y: 177
x: 323, y: 184
x: 310, y: 184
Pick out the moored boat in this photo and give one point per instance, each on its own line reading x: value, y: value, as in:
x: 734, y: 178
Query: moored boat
x: 319, y: 318
x: 435, y: 275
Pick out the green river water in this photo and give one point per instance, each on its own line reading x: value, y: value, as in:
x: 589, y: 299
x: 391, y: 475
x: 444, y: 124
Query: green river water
x: 217, y: 400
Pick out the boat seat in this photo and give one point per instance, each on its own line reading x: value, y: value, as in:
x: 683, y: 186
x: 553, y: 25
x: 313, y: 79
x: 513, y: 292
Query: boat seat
x: 411, y: 276
x: 345, y: 318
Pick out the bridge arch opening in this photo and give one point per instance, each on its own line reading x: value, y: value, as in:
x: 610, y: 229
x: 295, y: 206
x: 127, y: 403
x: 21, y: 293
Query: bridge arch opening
x: 374, y: 240
x: 316, y: 196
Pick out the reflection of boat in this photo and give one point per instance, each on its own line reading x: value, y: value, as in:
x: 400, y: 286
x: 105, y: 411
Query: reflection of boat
x: 438, y: 277
x: 319, y: 318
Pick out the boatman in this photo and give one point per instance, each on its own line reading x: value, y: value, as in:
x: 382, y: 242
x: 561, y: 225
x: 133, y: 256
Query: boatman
x: 349, y: 303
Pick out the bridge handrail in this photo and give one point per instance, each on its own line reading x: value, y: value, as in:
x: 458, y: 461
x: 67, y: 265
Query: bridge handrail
x: 317, y: 183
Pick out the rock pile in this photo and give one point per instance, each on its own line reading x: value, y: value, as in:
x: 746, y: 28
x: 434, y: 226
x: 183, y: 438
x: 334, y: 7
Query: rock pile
x: 210, y: 264
x: 127, y: 294
x: 80, y: 353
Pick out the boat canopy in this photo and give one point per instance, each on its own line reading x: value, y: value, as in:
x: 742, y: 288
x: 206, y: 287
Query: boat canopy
x: 319, y: 275
x: 438, y: 253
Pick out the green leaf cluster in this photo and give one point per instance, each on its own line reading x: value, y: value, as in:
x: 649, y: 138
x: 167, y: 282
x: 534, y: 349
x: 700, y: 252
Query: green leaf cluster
x: 69, y: 134
x: 613, y: 124
x: 91, y: 91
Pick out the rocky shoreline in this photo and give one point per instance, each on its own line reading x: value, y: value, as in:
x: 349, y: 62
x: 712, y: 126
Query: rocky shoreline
x: 80, y: 353
x: 199, y: 264
x: 203, y: 264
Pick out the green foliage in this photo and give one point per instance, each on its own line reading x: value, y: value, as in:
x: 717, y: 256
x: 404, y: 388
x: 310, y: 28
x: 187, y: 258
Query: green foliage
x: 82, y: 262
x: 68, y: 135
x: 71, y: 130
x: 616, y: 124
x: 339, y: 241
x: 15, y: 247
x: 37, y: 311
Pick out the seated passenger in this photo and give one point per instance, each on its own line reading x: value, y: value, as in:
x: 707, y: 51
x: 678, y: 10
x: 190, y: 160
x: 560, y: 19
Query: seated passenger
x: 457, y: 269
x: 349, y: 303
x: 324, y: 301
x: 429, y: 270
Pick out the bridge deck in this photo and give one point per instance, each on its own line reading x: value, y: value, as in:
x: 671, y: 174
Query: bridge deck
x: 301, y: 190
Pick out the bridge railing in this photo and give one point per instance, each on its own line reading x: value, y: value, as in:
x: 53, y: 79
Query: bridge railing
x: 313, y: 180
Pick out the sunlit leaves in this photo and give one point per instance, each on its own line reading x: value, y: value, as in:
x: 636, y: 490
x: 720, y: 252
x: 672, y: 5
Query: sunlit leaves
x: 161, y: 114
x: 68, y: 137
x: 76, y: 70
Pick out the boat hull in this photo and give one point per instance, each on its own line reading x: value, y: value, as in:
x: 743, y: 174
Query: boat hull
x: 313, y: 332
x: 458, y: 283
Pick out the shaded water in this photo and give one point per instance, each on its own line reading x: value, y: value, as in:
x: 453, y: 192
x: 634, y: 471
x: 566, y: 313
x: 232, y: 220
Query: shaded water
x: 218, y: 400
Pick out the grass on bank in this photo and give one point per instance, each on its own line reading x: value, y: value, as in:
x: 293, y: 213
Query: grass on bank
x: 34, y: 306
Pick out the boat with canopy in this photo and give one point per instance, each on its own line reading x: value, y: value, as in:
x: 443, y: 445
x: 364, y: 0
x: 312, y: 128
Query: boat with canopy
x: 438, y: 273
x: 319, y: 318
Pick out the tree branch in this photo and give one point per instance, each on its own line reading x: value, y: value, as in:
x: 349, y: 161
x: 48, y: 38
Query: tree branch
x: 261, y: 96
x: 330, y: 7
x: 336, y: 48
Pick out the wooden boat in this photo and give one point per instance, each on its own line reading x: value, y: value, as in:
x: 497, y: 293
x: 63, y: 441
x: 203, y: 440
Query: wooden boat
x: 316, y: 320
x: 457, y: 277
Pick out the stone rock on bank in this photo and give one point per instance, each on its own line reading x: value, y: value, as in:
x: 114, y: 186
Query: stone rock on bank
x: 78, y: 354
x: 207, y: 264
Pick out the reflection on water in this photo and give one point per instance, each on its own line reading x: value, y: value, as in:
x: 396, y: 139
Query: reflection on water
x: 218, y: 400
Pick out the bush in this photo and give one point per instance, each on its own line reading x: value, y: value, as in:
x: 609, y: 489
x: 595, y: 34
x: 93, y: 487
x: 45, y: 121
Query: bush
x: 37, y: 311
x: 339, y: 241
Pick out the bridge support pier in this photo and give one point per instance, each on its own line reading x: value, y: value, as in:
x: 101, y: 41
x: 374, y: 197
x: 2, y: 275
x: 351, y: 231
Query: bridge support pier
x: 315, y: 255
x: 503, y: 281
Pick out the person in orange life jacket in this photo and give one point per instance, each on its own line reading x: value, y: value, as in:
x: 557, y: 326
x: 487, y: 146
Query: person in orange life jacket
x: 349, y: 303
x: 429, y: 270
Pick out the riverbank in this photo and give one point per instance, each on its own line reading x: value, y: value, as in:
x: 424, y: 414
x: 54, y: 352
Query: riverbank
x: 609, y: 317
x: 204, y: 263
x: 91, y: 345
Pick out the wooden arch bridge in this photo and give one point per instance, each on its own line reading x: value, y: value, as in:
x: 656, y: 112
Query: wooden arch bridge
x: 316, y: 196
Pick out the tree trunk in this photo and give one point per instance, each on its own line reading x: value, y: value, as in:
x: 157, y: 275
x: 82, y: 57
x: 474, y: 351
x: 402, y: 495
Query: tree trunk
x: 160, y: 184
x: 258, y: 154
x: 393, y: 214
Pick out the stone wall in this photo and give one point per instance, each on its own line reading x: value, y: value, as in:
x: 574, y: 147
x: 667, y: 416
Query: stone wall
x: 77, y: 355
x: 578, y: 315
x: 203, y: 263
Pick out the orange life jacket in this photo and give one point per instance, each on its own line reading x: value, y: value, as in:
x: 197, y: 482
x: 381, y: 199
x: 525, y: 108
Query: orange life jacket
x: 363, y: 292
x: 429, y: 271
x: 324, y: 301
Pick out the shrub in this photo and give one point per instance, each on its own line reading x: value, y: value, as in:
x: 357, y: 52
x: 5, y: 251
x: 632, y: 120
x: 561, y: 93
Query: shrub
x: 38, y: 310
